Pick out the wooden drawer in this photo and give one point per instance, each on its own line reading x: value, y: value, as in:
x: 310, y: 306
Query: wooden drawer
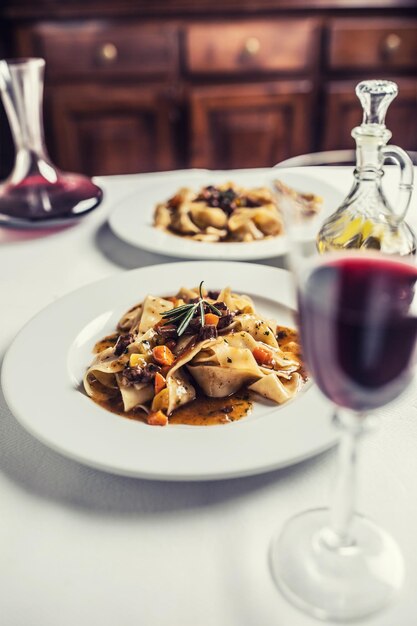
x: 373, y: 43
x: 121, y: 130
x: 241, y: 46
x: 96, y: 49
x: 250, y: 125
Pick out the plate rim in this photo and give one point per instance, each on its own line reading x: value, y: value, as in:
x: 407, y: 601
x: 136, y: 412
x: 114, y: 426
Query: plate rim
x: 211, y: 474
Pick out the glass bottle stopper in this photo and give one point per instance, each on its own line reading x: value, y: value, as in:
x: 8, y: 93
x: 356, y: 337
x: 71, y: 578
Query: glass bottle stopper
x: 375, y: 97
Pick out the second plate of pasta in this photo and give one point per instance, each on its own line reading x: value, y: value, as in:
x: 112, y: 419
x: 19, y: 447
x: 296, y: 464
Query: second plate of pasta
x: 229, y: 215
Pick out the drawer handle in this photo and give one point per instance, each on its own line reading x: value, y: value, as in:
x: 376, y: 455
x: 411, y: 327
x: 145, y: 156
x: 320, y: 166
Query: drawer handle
x: 108, y: 52
x: 252, y: 46
x: 391, y: 43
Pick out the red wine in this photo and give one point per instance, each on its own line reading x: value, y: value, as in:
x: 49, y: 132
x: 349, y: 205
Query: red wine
x: 35, y: 198
x: 357, y: 330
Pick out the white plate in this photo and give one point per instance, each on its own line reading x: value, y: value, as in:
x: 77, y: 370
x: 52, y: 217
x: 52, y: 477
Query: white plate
x: 43, y: 370
x: 132, y: 219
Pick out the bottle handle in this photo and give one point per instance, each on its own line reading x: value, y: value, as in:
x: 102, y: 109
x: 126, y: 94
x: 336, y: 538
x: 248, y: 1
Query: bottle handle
x: 405, y: 187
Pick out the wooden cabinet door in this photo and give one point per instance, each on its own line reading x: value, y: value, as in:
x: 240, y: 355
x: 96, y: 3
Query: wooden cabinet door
x: 255, y: 125
x: 112, y: 129
x: 343, y: 112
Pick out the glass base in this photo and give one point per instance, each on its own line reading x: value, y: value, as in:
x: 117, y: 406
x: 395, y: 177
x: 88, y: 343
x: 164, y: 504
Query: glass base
x: 336, y: 583
x: 36, y: 199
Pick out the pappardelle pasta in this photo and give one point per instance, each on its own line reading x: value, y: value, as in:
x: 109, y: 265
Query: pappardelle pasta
x: 230, y: 213
x: 168, y: 351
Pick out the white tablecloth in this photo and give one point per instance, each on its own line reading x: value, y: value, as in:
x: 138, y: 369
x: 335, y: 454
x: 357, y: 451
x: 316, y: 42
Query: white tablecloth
x: 79, y: 547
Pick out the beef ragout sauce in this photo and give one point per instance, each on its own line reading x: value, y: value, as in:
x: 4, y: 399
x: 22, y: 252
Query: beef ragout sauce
x: 204, y: 410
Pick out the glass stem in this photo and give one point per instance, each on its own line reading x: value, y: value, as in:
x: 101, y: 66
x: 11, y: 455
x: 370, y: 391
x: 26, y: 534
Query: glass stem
x: 339, y: 534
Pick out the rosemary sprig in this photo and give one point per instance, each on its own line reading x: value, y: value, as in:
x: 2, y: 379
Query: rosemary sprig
x: 176, y: 311
x: 202, y: 316
x: 184, y: 314
x: 186, y: 320
x: 211, y: 306
x: 201, y: 303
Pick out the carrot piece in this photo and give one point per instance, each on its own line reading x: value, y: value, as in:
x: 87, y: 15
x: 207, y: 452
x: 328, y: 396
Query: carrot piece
x: 211, y: 319
x: 163, y: 355
x: 263, y: 356
x: 157, y: 418
x: 164, y: 370
x: 160, y: 382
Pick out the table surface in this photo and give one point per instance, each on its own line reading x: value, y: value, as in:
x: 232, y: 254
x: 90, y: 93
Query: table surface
x: 82, y: 547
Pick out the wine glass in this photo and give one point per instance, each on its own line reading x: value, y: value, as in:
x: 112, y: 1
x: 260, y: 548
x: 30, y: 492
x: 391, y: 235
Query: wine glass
x: 357, y: 316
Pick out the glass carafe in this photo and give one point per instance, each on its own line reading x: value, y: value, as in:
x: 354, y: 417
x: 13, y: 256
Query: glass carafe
x: 36, y: 193
x: 366, y: 219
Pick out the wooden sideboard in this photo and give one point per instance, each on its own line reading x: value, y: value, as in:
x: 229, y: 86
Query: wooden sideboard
x: 141, y: 86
